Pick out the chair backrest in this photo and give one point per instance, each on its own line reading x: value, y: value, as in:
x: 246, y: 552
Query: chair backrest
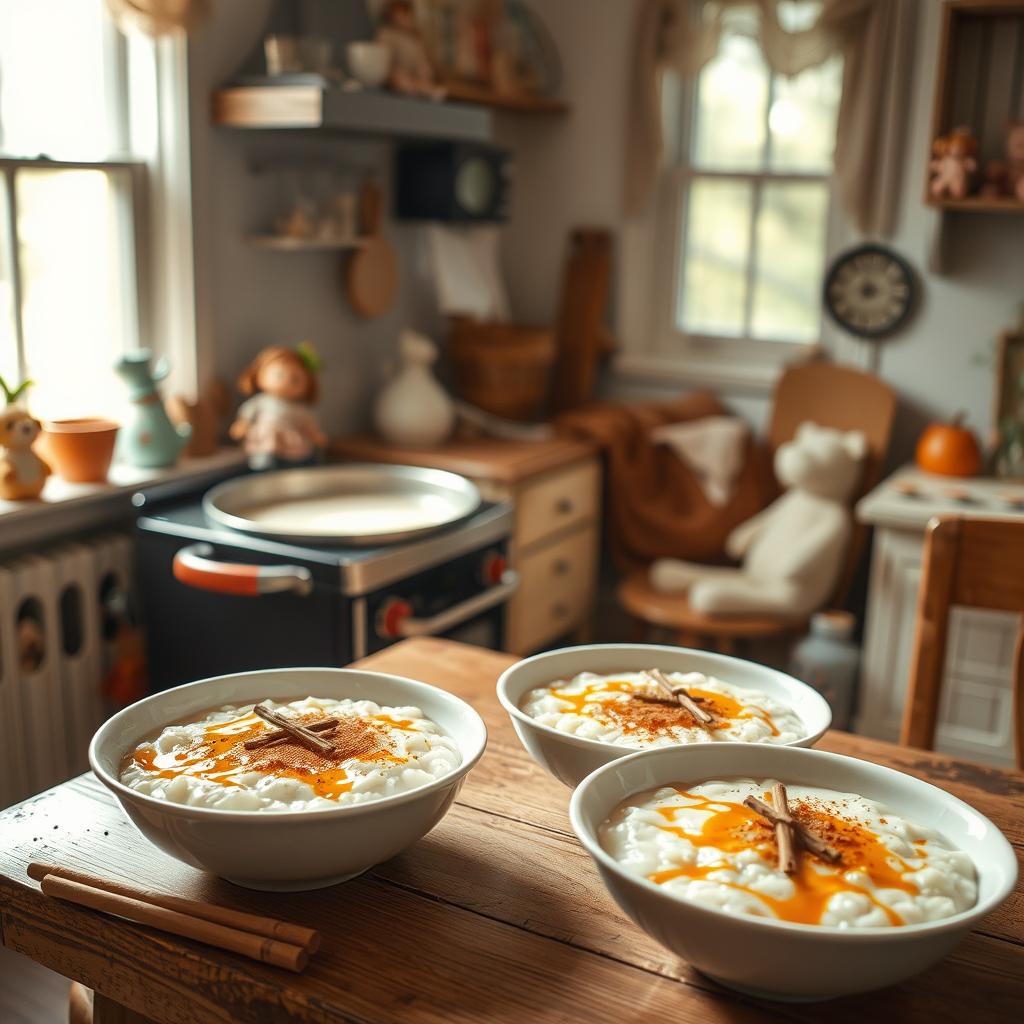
x: 838, y: 397
x: 845, y: 399
x: 976, y: 563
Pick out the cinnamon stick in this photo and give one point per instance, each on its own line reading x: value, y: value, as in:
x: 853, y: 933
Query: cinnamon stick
x: 784, y: 837
x: 271, y: 927
x: 257, y: 947
x: 273, y: 739
x: 302, y: 735
x: 807, y: 838
x: 680, y: 694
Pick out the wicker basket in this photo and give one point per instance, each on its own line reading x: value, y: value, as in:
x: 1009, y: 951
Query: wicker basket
x: 502, y: 368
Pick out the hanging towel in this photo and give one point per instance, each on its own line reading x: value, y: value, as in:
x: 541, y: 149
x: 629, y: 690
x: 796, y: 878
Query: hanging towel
x: 714, y: 447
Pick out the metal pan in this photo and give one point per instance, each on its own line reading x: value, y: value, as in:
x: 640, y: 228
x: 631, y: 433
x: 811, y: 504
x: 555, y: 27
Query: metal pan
x: 351, y: 504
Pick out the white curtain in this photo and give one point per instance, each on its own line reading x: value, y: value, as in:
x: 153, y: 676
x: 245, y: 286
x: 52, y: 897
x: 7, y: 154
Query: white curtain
x: 873, y: 37
x: 158, y: 17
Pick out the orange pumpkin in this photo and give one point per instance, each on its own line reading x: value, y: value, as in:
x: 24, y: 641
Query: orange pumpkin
x: 949, y: 449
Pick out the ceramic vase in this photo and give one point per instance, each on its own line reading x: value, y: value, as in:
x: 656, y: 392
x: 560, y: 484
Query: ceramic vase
x: 149, y: 439
x: 413, y: 409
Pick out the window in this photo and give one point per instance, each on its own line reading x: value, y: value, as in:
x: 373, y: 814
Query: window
x: 78, y: 140
x: 742, y: 209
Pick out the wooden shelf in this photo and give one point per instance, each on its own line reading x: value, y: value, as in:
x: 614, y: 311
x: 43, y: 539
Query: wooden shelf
x: 283, y: 243
x: 980, y: 204
x: 364, y: 112
x: 464, y: 92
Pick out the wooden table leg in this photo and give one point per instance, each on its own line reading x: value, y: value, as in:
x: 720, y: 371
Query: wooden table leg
x: 88, y: 1007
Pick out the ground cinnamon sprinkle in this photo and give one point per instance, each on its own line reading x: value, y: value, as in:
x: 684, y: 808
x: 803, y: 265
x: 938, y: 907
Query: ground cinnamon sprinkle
x: 353, y: 738
x: 642, y: 712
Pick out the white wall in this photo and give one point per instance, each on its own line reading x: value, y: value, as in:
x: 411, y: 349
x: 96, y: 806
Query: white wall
x: 569, y: 173
x: 247, y: 299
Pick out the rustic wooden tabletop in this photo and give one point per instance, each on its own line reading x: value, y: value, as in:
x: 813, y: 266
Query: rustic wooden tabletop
x: 497, y: 915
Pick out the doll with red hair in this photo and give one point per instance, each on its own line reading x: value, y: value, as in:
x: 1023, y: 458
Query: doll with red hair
x: 275, y: 424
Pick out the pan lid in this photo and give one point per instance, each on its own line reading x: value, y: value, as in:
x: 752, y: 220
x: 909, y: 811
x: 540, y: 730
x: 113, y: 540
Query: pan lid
x: 353, y: 504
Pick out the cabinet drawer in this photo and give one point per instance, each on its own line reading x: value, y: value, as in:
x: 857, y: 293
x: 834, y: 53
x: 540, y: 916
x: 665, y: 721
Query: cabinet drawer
x: 556, y: 591
x: 554, y: 502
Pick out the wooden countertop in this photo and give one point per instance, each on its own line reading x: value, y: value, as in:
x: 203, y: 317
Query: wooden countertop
x: 497, y: 915
x: 485, y: 458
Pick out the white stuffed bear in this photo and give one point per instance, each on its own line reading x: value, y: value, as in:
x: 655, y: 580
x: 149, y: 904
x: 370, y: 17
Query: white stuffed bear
x: 792, y: 552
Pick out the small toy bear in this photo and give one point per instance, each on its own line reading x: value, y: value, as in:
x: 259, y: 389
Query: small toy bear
x: 22, y: 472
x: 1005, y: 177
x: 793, y: 551
x: 954, y: 165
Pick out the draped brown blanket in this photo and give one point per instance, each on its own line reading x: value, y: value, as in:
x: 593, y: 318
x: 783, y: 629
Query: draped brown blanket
x: 654, y: 504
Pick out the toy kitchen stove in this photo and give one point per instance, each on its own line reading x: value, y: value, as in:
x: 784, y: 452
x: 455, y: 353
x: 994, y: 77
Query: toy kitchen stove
x: 319, y: 567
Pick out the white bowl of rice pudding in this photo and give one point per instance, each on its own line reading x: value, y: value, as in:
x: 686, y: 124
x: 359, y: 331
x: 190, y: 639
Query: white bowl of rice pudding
x: 699, y: 870
x: 192, y: 768
x: 578, y: 708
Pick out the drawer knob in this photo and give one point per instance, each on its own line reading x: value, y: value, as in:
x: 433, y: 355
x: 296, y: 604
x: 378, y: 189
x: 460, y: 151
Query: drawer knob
x: 563, y: 506
x: 561, y: 567
x: 560, y: 611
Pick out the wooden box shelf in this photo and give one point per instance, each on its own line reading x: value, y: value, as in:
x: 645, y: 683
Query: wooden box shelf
x: 979, y: 85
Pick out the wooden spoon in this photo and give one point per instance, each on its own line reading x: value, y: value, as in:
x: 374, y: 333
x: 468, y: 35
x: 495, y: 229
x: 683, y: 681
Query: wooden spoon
x: 371, y: 277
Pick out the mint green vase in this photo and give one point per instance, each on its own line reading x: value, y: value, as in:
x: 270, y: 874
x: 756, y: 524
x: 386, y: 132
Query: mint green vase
x: 149, y: 439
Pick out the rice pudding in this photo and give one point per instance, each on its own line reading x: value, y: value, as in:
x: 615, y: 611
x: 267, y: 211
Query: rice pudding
x: 701, y: 843
x: 377, y: 752
x: 627, y: 709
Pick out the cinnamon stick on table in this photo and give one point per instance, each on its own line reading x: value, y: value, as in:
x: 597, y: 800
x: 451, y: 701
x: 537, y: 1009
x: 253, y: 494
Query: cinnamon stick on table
x: 257, y: 947
x: 679, y: 692
x: 306, y: 737
x: 273, y: 739
x: 270, y: 927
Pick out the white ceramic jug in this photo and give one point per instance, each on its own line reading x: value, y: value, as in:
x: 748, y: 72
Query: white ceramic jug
x: 413, y: 408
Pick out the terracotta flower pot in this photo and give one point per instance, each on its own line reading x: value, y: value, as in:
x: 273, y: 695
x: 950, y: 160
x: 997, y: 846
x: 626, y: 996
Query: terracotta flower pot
x: 80, y: 451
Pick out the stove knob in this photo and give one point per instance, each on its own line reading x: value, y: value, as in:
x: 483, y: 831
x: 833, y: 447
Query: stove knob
x: 493, y: 568
x: 390, y: 616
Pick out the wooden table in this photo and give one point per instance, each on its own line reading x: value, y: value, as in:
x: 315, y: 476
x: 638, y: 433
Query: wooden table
x: 497, y: 915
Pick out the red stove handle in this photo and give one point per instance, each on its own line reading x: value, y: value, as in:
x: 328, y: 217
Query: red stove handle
x: 394, y: 620
x: 194, y: 567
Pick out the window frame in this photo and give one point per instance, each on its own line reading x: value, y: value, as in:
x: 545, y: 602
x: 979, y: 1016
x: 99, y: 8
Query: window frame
x: 155, y: 184
x: 654, y: 346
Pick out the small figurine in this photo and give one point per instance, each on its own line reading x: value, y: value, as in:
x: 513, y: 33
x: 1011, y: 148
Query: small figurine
x: 149, y: 440
x: 954, y: 164
x: 275, y: 424
x: 22, y: 473
x: 411, y: 70
x: 1006, y: 177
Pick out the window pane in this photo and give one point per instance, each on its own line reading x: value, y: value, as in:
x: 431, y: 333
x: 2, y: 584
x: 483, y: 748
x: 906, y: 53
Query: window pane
x: 716, y: 251
x: 8, y: 340
x: 72, y: 229
x: 53, y: 96
x: 732, y: 91
x: 802, y: 118
x: 790, y: 252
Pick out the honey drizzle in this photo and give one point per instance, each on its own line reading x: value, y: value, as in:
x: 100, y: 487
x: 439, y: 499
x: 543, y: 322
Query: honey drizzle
x: 733, y: 828
x: 220, y: 754
x: 624, y: 713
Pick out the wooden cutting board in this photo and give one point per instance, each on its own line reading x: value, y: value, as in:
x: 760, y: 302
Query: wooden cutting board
x: 371, y: 273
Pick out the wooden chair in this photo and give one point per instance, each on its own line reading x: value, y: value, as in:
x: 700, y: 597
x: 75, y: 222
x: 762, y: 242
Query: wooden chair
x: 977, y: 563
x: 831, y: 396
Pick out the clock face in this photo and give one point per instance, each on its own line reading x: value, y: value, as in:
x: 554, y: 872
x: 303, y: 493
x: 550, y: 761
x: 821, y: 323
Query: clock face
x: 869, y: 291
x: 475, y: 185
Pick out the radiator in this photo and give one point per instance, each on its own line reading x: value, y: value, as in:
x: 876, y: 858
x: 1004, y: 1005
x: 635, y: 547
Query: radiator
x: 60, y: 611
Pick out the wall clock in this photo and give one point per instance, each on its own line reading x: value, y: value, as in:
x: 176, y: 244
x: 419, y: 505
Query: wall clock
x: 870, y: 291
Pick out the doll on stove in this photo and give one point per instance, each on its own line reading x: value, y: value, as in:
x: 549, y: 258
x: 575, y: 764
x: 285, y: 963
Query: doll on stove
x: 275, y: 424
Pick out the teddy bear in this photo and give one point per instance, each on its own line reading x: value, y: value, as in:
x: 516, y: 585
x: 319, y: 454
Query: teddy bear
x: 792, y: 551
x: 22, y: 472
x: 1006, y: 177
x: 954, y: 164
